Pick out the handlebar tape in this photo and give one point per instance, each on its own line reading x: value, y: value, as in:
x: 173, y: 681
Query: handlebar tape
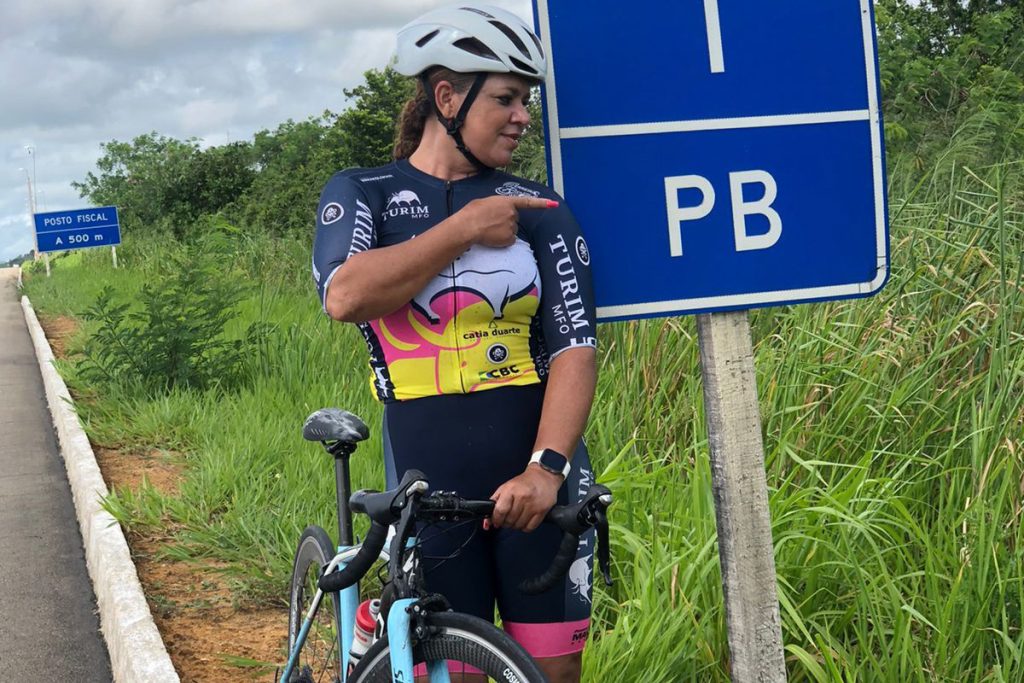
x: 574, y: 520
x: 559, y: 567
x: 360, y: 564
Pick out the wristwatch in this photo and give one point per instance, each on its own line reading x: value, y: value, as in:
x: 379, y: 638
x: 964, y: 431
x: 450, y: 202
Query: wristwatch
x: 553, y: 462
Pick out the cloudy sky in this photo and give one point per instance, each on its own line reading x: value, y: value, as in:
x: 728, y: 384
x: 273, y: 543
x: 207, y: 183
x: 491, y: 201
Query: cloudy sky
x: 76, y: 73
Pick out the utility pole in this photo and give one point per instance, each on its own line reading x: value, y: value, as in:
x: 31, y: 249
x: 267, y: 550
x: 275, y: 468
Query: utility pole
x: 32, y: 206
x: 32, y: 215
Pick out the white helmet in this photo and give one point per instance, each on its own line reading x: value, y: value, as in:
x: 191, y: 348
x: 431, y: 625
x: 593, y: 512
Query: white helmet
x: 469, y: 39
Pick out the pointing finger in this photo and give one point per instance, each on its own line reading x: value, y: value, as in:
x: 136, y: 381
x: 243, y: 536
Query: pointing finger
x: 533, y: 203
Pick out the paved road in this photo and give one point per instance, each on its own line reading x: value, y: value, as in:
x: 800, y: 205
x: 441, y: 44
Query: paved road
x: 48, y: 624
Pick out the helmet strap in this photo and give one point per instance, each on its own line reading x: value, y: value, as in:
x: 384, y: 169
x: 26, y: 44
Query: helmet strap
x: 454, y: 125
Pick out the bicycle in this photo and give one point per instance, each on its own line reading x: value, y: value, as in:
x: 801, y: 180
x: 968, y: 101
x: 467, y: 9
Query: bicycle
x: 414, y: 628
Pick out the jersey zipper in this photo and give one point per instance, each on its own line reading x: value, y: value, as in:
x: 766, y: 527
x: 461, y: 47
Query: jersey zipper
x: 449, y: 200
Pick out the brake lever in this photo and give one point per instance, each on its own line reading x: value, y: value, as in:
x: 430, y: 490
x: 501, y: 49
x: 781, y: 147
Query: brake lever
x: 604, y: 553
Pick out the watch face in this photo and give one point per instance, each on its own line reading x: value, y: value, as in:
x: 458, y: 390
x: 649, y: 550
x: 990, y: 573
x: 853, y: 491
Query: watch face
x: 553, y: 461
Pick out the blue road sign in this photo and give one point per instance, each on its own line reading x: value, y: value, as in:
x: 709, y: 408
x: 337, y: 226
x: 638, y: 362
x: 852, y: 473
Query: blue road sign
x: 719, y: 154
x: 78, y: 229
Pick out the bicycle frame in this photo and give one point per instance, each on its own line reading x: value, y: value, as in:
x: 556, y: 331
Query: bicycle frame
x: 399, y: 628
x: 400, y: 647
x: 345, y: 616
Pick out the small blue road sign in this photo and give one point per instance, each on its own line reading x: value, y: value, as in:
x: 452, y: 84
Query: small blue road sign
x: 719, y: 154
x: 78, y: 229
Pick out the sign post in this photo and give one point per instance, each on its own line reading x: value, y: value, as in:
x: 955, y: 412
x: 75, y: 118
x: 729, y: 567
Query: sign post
x: 722, y: 155
x: 741, y: 497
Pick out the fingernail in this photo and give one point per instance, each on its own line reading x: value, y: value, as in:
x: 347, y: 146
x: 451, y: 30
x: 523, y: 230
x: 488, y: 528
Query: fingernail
x: 552, y: 204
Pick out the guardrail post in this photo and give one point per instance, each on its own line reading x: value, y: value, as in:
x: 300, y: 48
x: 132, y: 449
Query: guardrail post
x: 741, y: 498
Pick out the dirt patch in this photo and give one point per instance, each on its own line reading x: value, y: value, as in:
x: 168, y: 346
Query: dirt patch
x: 161, y: 469
x: 208, y: 638
x: 59, y: 329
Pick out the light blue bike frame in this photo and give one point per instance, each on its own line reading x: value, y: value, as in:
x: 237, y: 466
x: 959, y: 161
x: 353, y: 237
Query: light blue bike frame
x: 345, y: 614
x: 400, y: 646
x: 399, y: 629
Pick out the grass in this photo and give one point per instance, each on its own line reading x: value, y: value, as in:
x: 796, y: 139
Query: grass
x: 894, y: 437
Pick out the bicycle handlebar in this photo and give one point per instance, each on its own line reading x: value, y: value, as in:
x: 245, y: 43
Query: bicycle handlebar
x: 360, y: 564
x: 574, y: 521
x: 385, y: 508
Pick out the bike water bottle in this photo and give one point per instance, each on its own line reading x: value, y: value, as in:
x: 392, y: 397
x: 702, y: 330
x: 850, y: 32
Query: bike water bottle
x: 363, y: 634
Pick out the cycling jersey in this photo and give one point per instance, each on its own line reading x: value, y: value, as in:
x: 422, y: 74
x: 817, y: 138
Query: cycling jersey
x: 494, y: 317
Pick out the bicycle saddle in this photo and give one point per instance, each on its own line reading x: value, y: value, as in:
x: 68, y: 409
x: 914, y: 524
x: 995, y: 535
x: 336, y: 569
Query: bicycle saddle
x: 334, y: 424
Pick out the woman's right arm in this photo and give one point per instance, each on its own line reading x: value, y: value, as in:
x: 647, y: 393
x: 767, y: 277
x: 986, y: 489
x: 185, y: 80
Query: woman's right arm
x: 372, y: 282
x: 376, y: 282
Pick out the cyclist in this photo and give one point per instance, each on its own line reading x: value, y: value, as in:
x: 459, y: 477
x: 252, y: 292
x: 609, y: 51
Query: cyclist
x: 472, y: 290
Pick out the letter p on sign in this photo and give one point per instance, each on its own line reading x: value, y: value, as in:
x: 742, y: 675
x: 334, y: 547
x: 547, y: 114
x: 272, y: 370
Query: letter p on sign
x: 740, y: 208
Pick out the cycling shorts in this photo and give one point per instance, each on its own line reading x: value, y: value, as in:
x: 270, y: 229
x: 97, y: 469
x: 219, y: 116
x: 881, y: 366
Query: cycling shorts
x: 472, y: 444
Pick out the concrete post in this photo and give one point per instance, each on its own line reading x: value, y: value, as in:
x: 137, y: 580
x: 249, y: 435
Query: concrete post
x: 741, y: 498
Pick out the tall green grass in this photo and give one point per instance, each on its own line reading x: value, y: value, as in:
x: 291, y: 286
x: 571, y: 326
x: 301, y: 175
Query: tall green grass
x: 894, y: 436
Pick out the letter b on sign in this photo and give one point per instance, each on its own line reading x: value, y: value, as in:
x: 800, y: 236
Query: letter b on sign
x: 744, y: 241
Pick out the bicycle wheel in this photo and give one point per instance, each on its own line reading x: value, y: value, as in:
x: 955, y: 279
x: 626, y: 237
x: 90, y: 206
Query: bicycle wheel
x: 458, y: 638
x: 318, y: 660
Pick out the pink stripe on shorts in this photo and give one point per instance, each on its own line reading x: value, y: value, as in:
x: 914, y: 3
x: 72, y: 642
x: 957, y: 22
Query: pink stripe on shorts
x: 550, y: 640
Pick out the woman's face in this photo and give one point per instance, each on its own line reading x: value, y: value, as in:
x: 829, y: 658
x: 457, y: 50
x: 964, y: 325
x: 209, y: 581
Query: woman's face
x: 497, y: 119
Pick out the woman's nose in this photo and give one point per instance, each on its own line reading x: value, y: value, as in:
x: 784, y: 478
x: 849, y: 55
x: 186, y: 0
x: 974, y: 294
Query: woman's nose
x: 521, y: 115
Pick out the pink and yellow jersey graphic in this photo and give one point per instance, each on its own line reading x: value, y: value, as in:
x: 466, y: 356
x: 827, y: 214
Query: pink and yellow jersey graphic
x: 469, y: 329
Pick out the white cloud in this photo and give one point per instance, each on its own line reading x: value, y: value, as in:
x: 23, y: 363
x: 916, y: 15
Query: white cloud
x: 198, y: 117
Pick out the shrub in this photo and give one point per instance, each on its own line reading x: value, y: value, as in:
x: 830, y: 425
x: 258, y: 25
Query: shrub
x: 173, y: 334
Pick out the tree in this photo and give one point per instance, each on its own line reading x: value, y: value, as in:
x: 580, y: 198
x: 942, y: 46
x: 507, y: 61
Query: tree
x: 27, y: 256
x: 952, y: 71
x: 959, y: 17
x: 368, y: 126
x: 162, y: 183
x: 293, y: 162
x: 138, y: 176
x: 219, y: 175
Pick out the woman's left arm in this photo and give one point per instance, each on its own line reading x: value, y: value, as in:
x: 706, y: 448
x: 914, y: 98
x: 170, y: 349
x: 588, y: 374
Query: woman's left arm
x: 570, y: 332
x: 523, y: 501
x: 567, y: 401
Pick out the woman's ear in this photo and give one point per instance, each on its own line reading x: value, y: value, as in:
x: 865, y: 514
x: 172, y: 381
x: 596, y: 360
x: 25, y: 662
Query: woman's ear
x: 447, y: 99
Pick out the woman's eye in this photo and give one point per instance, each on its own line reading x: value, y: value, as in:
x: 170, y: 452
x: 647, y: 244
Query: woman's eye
x: 505, y: 100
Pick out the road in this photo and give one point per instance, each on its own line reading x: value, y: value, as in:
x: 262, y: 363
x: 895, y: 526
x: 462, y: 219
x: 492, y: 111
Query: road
x: 49, y: 629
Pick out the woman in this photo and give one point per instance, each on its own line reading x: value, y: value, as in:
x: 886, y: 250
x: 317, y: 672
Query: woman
x: 472, y: 290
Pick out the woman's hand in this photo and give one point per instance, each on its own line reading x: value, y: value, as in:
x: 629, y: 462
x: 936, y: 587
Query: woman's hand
x: 523, y: 501
x: 494, y: 221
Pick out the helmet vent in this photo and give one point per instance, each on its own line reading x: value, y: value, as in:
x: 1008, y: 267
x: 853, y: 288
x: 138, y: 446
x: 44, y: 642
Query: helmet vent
x: 511, y: 35
x: 427, y: 38
x: 478, y: 11
x: 522, y: 65
x: 475, y: 47
x: 536, y: 42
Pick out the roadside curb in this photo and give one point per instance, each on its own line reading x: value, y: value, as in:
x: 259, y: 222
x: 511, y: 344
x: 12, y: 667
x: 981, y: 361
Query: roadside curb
x: 137, y: 653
